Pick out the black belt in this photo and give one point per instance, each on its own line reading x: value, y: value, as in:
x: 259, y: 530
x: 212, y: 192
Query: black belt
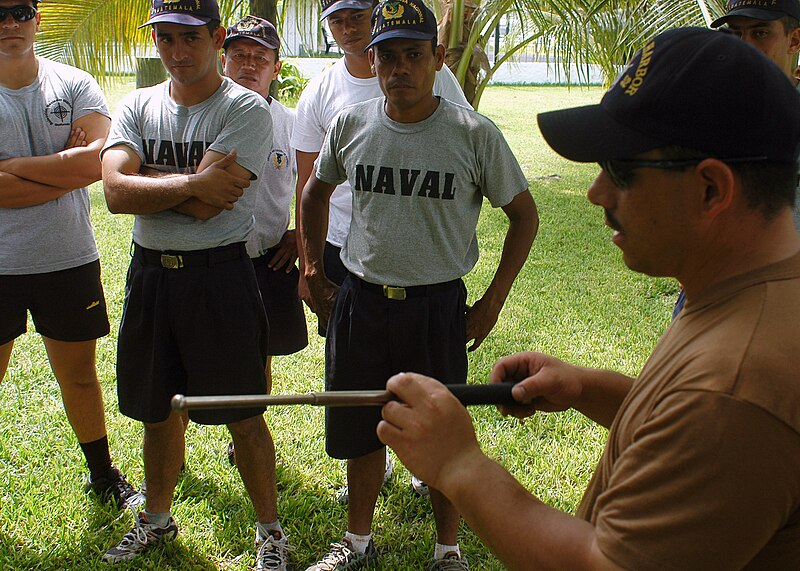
x: 191, y: 259
x: 402, y: 293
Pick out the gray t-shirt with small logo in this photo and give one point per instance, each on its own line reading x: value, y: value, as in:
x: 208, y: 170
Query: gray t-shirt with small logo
x: 172, y: 138
x: 417, y: 189
x: 36, y: 121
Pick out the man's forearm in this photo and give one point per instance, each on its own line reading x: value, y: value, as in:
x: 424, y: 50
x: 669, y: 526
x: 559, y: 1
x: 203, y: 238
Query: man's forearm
x: 516, y: 248
x: 197, y: 209
x: 137, y: 194
x: 16, y: 192
x: 68, y: 169
x: 522, y: 531
x: 313, y: 229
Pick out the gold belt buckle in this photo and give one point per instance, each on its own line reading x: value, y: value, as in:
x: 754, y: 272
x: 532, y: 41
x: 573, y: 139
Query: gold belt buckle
x: 171, y: 262
x: 397, y: 293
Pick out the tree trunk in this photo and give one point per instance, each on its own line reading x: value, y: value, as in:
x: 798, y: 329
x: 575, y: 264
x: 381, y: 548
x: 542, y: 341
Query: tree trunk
x: 463, y: 12
x: 267, y: 9
x: 149, y: 71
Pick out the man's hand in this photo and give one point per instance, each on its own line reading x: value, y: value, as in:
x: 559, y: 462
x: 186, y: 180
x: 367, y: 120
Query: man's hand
x: 481, y: 319
x: 429, y: 429
x: 542, y: 383
x: 305, y: 292
x: 285, y: 253
x: 323, y: 295
x: 77, y: 138
x: 216, y: 186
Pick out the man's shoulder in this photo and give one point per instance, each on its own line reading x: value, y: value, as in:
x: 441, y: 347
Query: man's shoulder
x: 363, y: 112
x: 62, y: 70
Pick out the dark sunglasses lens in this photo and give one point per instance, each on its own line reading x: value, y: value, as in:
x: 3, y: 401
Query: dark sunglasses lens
x: 618, y: 175
x: 19, y: 13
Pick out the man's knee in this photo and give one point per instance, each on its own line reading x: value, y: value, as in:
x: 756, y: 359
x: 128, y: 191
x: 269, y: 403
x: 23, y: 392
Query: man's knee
x: 249, y: 429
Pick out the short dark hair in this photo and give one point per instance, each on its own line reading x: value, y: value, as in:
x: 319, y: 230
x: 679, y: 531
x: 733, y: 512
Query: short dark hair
x: 789, y: 23
x: 768, y: 187
x: 212, y: 26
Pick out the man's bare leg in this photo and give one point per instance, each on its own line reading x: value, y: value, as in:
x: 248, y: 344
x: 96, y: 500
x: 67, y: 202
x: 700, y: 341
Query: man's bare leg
x: 255, y: 459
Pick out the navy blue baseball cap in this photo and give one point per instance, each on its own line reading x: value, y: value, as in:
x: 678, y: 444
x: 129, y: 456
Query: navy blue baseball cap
x: 254, y: 28
x: 760, y: 10
x: 331, y: 6
x: 403, y: 19
x: 697, y: 88
x: 185, y: 12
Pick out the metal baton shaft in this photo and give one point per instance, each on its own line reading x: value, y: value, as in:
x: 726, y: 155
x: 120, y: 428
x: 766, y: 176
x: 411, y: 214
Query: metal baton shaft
x: 467, y: 394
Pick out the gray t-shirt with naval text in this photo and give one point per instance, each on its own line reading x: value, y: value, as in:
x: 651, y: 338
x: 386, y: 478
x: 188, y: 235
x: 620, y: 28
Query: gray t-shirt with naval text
x: 172, y: 138
x: 418, y: 189
x: 36, y: 121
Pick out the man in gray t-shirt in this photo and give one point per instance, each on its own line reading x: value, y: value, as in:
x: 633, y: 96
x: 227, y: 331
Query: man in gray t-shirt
x: 53, y: 121
x: 419, y: 167
x: 180, y: 157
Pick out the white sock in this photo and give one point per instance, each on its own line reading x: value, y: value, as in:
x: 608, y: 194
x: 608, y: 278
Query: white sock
x: 157, y: 519
x: 268, y: 529
x: 441, y: 550
x: 360, y: 542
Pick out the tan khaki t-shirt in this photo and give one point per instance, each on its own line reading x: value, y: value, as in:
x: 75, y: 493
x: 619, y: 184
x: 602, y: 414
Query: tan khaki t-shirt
x: 702, y: 465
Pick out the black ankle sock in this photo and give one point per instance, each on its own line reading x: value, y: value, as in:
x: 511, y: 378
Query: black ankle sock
x: 98, y: 457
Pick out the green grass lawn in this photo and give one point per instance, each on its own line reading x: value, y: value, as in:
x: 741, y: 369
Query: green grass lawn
x: 573, y: 299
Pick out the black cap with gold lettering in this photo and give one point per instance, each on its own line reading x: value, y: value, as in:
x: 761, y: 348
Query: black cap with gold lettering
x: 760, y: 10
x: 693, y: 87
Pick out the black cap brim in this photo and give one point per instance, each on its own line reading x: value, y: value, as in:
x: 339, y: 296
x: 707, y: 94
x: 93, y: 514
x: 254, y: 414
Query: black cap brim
x: 261, y: 41
x: 172, y: 18
x: 344, y: 5
x: 400, y: 34
x: 589, y: 134
x: 755, y: 13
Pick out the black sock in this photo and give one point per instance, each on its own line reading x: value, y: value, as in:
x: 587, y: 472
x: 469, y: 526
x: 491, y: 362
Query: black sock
x: 98, y: 458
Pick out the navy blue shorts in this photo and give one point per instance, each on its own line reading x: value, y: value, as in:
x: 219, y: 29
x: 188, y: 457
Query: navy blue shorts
x: 334, y: 270
x: 371, y: 338
x: 197, y: 330
x: 67, y: 305
x: 287, y: 320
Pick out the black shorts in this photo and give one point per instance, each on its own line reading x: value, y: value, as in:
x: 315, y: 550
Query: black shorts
x: 67, y: 305
x: 334, y: 270
x: 196, y: 330
x: 371, y: 338
x: 287, y: 320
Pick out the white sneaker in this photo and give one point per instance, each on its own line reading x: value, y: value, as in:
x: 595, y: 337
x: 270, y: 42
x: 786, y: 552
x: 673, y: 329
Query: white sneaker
x: 142, y: 537
x: 272, y: 554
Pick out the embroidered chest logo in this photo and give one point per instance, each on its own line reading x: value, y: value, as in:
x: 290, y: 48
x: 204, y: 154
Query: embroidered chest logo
x: 58, y: 112
x: 279, y: 159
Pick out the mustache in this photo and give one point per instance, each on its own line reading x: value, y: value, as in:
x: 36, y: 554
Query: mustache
x: 612, y: 222
x: 399, y: 83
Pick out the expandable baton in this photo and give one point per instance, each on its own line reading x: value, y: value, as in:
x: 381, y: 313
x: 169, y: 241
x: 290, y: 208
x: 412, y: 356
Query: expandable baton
x: 466, y: 394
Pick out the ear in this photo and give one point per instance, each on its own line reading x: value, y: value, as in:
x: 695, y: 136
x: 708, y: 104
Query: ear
x: 371, y: 55
x: 38, y: 21
x: 720, y: 187
x: 153, y: 35
x: 440, y: 51
x: 277, y: 71
x: 219, y: 37
x: 794, y: 41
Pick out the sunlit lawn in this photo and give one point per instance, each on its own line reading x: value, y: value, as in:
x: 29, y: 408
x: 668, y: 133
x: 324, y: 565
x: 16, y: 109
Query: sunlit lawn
x: 574, y: 299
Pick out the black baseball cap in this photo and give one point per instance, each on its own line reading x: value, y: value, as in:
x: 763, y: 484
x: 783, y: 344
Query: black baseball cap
x: 701, y: 89
x: 760, y: 10
x: 185, y: 12
x: 404, y: 19
x: 331, y: 6
x: 256, y: 29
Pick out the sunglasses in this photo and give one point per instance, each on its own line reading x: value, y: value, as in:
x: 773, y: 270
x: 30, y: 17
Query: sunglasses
x: 620, y: 171
x: 19, y: 13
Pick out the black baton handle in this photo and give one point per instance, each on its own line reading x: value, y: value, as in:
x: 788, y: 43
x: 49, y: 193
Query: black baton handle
x: 499, y: 393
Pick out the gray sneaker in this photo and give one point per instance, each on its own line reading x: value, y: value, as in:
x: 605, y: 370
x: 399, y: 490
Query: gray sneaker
x: 115, y: 487
x: 272, y: 554
x: 142, y: 537
x: 343, y: 493
x: 342, y: 557
x: 452, y: 561
x: 420, y: 488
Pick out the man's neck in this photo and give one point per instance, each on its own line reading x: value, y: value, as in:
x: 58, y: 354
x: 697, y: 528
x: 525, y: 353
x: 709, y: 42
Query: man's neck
x: 16, y: 73
x: 766, y: 243
x: 194, y: 93
x: 358, y: 65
